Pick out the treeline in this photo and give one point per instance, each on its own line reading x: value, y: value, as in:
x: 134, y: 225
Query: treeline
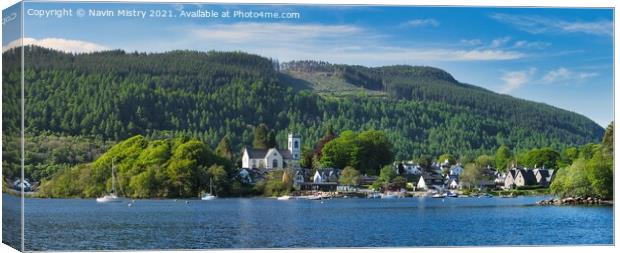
x: 591, y: 173
x: 178, y: 167
x: 114, y: 95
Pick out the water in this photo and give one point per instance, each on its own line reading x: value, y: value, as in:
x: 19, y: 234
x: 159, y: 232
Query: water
x: 62, y: 224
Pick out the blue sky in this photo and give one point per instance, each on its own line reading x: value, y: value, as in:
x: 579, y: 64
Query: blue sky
x: 562, y: 57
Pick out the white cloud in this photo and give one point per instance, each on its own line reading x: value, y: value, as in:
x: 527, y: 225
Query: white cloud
x: 65, y: 45
x: 538, y: 24
x: 472, y: 42
x: 241, y: 32
x: 334, y: 43
x: 515, y: 79
x: 421, y: 23
x: 499, y: 42
x: 531, y: 44
x: 565, y: 75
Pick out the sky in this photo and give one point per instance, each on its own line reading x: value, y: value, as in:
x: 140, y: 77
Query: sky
x: 558, y: 56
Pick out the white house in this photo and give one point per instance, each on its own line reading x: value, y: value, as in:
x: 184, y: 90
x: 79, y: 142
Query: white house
x: 430, y: 181
x: 456, y: 170
x: 273, y: 159
x: 453, y: 184
x: 325, y: 176
x: 412, y: 169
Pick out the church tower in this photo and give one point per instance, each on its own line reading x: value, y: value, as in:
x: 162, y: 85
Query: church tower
x: 294, y: 145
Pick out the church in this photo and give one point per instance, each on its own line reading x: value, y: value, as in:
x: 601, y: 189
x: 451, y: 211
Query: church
x: 273, y: 158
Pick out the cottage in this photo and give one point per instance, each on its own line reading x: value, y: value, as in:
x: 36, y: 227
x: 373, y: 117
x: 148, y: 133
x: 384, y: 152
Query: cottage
x: 456, y: 170
x: 453, y: 183
x: 509, y: 180
x: 273, y: 158
x: 298, y: 179
x: 430, y: 181
x: 407, y: 168
x: 519, y: 177
x: 325, y: 176
x: 543, y: 176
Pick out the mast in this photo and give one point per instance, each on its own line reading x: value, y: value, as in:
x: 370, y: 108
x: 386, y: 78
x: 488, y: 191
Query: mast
x: 113, y: 180
x: 211, y: 186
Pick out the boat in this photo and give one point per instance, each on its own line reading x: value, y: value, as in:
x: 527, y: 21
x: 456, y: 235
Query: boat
x: 209, y: 195
x: 374, y: 195
x: 486, y: 195
x: 112, y: 197
x: 452, y: 195
x: 315, y: 197
x: 438, y: 195
x: 285, y: 197
x: 389, y: 196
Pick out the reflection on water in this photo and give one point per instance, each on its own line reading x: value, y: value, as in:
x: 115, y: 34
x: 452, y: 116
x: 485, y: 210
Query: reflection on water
x: 268, y: 223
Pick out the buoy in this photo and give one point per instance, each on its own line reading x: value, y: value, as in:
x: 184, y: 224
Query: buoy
x: 129, y: 205
x: 186, y: 202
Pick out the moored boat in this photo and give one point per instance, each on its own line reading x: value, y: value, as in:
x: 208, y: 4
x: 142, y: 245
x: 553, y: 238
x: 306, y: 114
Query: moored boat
x: 438, y: 195
x: 111, y: 197
x: 209, y: 195
x: 285, y: 197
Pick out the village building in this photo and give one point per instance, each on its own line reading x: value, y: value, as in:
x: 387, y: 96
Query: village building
x: 518, y: 177
x: 430, y: 181
x: 323, y: 180
x: 456, y: 170
x: 543, y: 176
x: 273, y: 158
x: 407, y: 168
x: 453, y: 184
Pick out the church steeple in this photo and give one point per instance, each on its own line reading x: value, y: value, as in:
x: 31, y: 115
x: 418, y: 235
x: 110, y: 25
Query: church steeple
x: 294, y: 145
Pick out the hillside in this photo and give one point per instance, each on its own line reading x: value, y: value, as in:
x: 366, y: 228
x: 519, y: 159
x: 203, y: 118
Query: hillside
x: 207, y: 95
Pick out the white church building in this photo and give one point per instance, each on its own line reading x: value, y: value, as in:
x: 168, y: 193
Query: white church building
x: 273, y: 158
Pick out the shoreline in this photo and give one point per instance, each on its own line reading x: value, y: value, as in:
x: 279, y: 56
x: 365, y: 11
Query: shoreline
x: 326, y: 195
x: 575, y: 201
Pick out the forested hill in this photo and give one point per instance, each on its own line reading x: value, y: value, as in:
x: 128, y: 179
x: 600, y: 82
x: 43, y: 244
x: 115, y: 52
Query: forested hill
x: 114, y: 95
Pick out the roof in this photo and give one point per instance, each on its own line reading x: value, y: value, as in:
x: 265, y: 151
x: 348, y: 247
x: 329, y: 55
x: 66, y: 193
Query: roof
x: 255, y: 153
x: 259, y: 153
x: 528, y: 176
x: 429, y: 178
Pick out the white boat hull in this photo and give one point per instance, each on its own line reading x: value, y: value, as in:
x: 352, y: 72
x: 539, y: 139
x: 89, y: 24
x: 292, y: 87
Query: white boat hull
x: 208, y: 197
x: 284, y: 198
x: 110, y: 199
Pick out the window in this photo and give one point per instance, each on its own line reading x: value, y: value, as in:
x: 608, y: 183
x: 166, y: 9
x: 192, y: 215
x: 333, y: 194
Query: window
x: 275, y: 163
x: 296, y: 144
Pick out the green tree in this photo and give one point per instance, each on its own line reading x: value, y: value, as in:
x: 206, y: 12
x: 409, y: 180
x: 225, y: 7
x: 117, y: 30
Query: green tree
x: 503, y: 156
x: 608, y: 138
x: 425, y: 161
x: 220, y: 179
x: 398, y: 182
x: 447, y: 157
x: 350, y: 177
x: 485, y: 161
x: 546, y: 157
x: 224, y: 148
x: 271, y: 140
x: 472, y: 175
x: 261, y: 137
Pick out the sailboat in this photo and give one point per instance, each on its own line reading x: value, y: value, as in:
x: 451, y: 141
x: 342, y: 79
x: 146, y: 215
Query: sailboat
x: 111, y: 197
x: 209, y: 195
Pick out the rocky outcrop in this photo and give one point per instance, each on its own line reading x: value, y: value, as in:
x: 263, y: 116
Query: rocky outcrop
x: 575, y: 201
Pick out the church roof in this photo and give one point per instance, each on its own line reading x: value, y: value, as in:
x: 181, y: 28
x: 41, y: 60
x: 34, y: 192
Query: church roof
x: 259, y: 153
